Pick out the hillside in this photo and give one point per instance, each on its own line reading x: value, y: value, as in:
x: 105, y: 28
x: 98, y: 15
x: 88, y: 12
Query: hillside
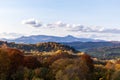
x: 105, y: 52
x: 83, y: 46
x: 101, y: 50
x: 39, y: 47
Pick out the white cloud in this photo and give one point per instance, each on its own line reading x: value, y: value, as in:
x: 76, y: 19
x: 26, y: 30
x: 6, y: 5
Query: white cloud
x: 106, y: 36
x: 71, y: 27
x: 56, y: 24
x: 10, y: 35
x: 82, y: 28
x: 60, y: 24
x: 32, y: 22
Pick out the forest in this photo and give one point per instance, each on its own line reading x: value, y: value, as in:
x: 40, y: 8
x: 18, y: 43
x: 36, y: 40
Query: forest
x: 59, y: 64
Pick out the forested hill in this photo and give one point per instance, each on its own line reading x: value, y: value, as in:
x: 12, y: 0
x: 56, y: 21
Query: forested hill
x: 39, y: 47
x: 83, y: 46
x: 105, y: 52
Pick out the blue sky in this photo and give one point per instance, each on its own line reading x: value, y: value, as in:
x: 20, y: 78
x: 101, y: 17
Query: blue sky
x: 80, y: 18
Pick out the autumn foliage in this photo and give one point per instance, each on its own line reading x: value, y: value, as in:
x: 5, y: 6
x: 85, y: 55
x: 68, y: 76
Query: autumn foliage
x: 59, y: 65
x: 87, y: 59
x: 31, y: 62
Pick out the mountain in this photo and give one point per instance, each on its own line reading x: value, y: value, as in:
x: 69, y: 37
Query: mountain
x: 43, y: 38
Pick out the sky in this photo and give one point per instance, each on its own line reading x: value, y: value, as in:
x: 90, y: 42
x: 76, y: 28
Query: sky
x: 98, y: 19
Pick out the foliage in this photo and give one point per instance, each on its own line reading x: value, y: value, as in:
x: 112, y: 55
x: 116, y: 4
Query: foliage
x: 116, y: 75
x: 31, y: 62
x: 10, y: 61
x: 4, y: 64
x: 61, y: 65
x: 40, y: 47
x: 70, y: 69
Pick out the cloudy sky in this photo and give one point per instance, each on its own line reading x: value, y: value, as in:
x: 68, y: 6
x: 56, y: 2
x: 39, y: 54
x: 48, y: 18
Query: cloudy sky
x: 98, y: 19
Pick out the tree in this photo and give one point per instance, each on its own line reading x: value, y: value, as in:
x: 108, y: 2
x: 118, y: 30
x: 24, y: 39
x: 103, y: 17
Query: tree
x: 89, y: 62
x: 116, y: 75
x: 16, y: 58
x: 4, y: 64
x: 41, y: 73
x: 110, y: 65
x: 28, y: 74
x: 31, y: 62
x: 57, y: 55
x: 11, y: 60
x: 70, y: 69
x: 71, y: 72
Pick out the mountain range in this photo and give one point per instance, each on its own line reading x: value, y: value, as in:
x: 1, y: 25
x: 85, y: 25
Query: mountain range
x: 44, y: 38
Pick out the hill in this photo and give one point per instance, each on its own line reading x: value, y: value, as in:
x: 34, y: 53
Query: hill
x: 105, y: 52
x: 39, y: 47
x: 83, y: 46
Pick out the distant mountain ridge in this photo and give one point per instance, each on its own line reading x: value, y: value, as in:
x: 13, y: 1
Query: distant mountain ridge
x: 44, y: 38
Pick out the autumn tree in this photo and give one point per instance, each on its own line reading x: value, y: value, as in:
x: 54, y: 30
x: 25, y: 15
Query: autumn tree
x: 57, y: 55
x: 16, y: 58
x: 116, y: 75
x: 28, y: 74
x: 31, y: 62
x: 110, y: 65
x: 87, y: 59
x: 4, y: 64
x: 40, y: 73
x: 73, y: 72
x: 70, y: 69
